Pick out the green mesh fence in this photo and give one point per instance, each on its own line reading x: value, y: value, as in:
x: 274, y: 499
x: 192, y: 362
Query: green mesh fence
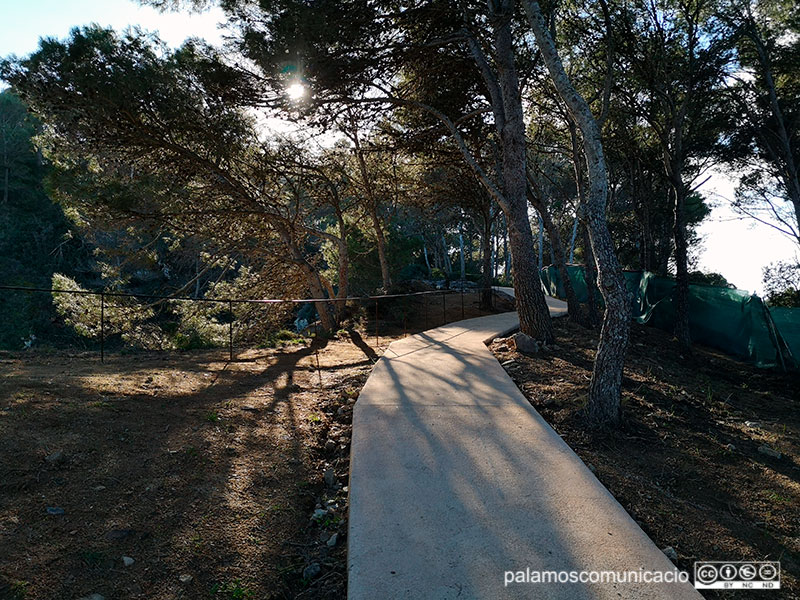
x: 730, y: 320
x: 787, y: 322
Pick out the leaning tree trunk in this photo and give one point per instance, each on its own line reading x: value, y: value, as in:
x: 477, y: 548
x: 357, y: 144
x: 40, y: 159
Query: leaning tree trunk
x: 572, y: 238
x: 589, y: 271
x: 317, y: 289
x: 606, y: 386
x: 314, y: 282
x: 425, y: 254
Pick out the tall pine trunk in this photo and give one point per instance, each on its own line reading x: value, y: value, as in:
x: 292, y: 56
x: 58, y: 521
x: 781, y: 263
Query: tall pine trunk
x: 606, y: 386
x: 787, y: 143
x: 534, y: 315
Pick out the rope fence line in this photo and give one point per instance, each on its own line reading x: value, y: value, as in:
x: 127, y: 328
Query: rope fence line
x: 462, y: 290
x: 231, y: 300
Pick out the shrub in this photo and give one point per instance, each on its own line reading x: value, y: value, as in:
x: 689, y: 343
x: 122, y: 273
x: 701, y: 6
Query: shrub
x: 437, y: 273
x: 283, y: 337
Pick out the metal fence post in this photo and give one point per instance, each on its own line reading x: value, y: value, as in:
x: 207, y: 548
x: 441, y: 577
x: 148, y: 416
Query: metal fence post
x: 425, y: 308
x: 102, y: 327
x: 444, y: 308
x: 405, y: 316
x: 377, y: 339
x: 462, y: 303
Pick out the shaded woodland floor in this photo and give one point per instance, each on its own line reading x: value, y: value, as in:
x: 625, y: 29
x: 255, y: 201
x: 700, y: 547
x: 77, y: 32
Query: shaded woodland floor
x: 207, y: 473
x: 686, y: 464
x: 192, y: 466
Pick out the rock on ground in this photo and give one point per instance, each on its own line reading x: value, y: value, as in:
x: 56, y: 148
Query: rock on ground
x: 522, y: 342
x: 670, y: 553
x: 311, y: 571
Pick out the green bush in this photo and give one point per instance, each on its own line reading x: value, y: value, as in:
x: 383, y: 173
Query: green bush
x: 283, y: 337
x: 192, y: 340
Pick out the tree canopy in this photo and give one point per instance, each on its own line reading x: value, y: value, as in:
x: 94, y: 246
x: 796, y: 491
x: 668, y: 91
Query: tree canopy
x: 458, y: 140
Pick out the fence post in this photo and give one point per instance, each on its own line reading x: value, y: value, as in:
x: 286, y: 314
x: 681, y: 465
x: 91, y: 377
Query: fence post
x: 230, y: 331
x: 405, y: 316
x: 444, y: 308
x: 377, y: 339
x: 102, y: 327
x: 462, y: 303
x: 425, y: 307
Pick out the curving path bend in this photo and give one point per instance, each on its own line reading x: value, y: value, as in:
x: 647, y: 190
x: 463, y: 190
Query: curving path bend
x: 455, y: 480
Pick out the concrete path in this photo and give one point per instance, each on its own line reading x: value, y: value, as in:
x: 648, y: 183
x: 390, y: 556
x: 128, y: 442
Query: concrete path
x: 455, y: 480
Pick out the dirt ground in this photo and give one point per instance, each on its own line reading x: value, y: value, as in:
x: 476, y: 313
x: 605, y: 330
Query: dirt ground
x: 191, y: 466
x: 210, y: 475
x: 686, y: 464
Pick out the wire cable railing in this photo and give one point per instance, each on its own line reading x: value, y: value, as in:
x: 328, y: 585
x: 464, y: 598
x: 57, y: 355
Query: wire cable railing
x: 461, y: 290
